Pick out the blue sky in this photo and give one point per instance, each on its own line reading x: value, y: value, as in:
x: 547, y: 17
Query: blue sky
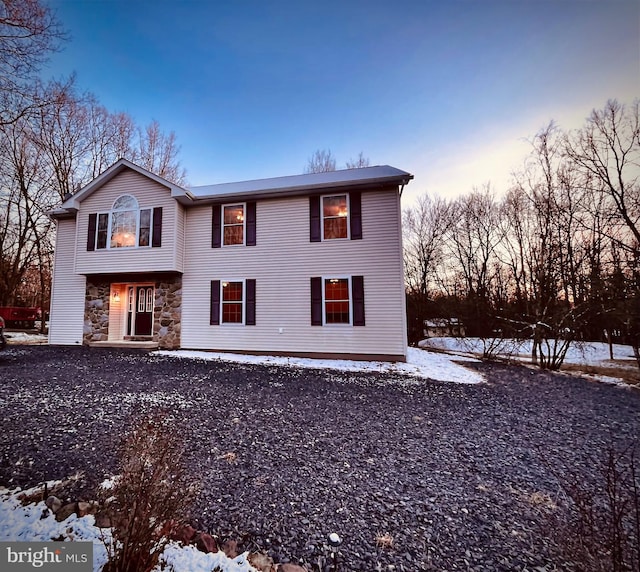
x: 446, y: 90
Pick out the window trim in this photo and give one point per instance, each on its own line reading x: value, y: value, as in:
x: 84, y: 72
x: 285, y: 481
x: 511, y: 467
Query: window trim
x: 324, y: 302
x: 244, y: 301
x: 244, y: 225
x: 322, y: 217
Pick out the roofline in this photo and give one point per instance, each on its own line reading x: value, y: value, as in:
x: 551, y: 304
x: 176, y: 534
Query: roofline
x: 70, y: 207
x: 187, y: 197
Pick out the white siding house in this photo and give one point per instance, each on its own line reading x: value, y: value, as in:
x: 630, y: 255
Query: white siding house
x: 301, y: 265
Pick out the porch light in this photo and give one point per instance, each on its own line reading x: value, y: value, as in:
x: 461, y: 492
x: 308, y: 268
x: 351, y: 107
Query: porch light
x: 116, y: 296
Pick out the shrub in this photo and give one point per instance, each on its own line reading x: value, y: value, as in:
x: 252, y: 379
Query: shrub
x: 151, y: 495
x: 601, y: 531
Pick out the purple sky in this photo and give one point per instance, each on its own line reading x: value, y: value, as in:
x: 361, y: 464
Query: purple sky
x: 446, y: 90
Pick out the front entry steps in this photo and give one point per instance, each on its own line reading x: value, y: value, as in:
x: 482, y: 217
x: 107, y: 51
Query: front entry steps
x: 127, y: 344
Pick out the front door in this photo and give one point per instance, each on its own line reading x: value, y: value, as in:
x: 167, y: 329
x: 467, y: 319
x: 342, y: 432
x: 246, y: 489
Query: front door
x: 140, y: 311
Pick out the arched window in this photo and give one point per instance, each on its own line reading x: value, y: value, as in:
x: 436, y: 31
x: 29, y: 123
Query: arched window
x: 124, y: 222
x: 126, y: 225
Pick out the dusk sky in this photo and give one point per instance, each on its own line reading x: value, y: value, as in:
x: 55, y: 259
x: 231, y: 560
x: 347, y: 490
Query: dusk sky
x: 447, y: 90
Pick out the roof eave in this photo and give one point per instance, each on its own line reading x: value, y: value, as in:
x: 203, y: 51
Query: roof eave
x: 188, y: 198
x: 62, y: 213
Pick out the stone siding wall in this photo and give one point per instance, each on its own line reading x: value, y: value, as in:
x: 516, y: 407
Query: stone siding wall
x: 96, y: 312
x: 167, y: 313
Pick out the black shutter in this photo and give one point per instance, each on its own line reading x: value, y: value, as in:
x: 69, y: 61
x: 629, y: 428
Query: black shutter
x: 91, y: 236
x: 314, y: 219
x: 355, y: 205
x: 251, y: 224
x: 357, y: 292
x: 316, y: 301
x: 215, y: 303
x: 216, y: 227
x: 250, y: 309
x: 156, y: 240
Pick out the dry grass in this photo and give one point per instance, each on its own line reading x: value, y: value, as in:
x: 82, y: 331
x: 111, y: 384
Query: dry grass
x: 627, y: 373
x: 542, y: 500
x: 384, y: 541
x: 230, y: 457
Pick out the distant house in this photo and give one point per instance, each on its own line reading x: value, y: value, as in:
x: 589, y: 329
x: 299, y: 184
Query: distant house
x: 443, y: 327
x: 300, y: 265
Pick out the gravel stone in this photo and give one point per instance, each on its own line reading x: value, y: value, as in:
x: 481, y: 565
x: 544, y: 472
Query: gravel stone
x: 457, y: 475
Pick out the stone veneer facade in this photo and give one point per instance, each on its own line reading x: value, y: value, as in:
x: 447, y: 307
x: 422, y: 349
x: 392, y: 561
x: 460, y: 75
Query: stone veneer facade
x: 167, y: 311
x: 96, y: 312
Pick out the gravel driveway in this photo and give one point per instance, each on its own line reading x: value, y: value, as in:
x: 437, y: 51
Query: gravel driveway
x: 456, y: 474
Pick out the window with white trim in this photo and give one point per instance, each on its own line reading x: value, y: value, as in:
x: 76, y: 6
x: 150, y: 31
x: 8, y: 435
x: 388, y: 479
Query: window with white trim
x: 232, y: 302
x: 233, y: 228
x: 335, y: 216
x: 336, y: 301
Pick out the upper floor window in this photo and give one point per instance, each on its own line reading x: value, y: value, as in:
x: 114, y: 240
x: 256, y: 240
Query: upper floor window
x: 335, y: 213
x: 126, y: 225
x: 335, y: 217
x: 125, y: 215
x: 233, y: 225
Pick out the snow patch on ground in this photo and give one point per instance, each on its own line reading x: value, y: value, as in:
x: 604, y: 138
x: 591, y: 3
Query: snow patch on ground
x: 26, y: 524
x: 579, y: 353
x: 420, y: 363
x: 25, y: 338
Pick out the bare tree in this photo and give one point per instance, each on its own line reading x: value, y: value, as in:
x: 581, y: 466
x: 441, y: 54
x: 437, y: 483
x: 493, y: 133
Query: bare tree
x: 424, y: 227
x: 607, y: 150
x: 29, y: 33
x: 360, y: 162
x: 158, y: 152
x: 54, y: 151
x: 321, y: 161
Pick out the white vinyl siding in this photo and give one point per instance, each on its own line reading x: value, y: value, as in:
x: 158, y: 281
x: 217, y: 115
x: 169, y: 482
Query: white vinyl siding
x: 282, y: 263
x: 68, y: 289
x: 149, y: 195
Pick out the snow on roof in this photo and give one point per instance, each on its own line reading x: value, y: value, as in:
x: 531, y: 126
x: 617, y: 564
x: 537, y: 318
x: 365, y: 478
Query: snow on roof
x: 293, y: 184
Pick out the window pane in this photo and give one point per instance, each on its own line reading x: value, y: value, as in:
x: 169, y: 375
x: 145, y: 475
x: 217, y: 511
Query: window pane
x: 103, y: 226
x: 125, y: 202
x: 123, y: 229
x: 337, y: 312
x: 234, y: 214
x: 145, y: 227
x: 232, y: 313
x: 335, y: 228
x: 232, y: 291
x: 233, y: 234
x: 336, y: 289
x: 334, y: 217
x: 150, y: 300
x: 334, y: 206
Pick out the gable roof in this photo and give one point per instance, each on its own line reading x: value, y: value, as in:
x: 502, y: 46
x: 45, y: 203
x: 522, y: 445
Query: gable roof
x: 71, y: 205
x: 380, y: 175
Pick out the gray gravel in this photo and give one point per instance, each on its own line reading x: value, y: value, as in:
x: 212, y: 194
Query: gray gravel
x: 462, y: 477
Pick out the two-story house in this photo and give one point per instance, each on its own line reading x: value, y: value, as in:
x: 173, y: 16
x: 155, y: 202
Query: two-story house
x: 301, y: 265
